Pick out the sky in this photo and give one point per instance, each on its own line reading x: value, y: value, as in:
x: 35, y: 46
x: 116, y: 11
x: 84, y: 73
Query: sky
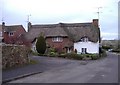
x: 15, y: 12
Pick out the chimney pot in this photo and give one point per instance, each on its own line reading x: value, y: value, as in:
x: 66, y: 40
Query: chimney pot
x: 96, y: 22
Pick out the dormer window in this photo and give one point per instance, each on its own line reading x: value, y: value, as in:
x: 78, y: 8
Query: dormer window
x: 11, y: 33
x: 57, y: 39
x: 84, y: 39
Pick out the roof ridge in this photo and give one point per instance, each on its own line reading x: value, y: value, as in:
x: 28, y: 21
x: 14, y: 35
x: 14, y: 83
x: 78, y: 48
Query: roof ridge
x: 12, y: 25
x: 60, y: 23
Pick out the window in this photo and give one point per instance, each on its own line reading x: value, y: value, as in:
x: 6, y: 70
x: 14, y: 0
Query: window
x: 85, y: 39
x: 0, y: 34
x: 11, y: 33
x: 57, y: 39
x: 84, y: 50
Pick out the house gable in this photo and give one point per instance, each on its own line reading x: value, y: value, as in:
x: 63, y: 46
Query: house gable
x: 13, y: 33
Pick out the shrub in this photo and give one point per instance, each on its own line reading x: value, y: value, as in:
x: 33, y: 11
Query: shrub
x: 62, y: 55
x: 52, y: 50
x: 34, y: 53
x: 94, y: 56
x: 41, y: 45
x: 74, y: 56
x: 33, y: 62
x: 116, y: 50
x: 103, y: 53
x: 106, y: 47
x: 53, y: 54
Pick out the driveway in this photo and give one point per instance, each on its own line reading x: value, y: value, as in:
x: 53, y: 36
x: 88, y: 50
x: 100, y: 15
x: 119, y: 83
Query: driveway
x: 72, y: 71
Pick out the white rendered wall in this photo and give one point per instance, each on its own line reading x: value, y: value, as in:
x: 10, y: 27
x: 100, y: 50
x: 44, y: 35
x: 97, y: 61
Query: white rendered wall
x: 91, y: 47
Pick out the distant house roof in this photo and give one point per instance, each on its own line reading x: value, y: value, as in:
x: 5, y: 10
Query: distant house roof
x: 75, y: 31
x: 12, y: 28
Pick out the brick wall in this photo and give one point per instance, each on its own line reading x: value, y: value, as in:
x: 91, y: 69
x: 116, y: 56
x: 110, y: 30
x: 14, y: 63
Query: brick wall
x: 14, y: 55
x: 59, y: 45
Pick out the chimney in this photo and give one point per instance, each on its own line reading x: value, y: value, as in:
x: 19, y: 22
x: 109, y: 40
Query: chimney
x: 3, y: 27
x: 60, y: 24
x: 29, y: 26
x: 96, y: 22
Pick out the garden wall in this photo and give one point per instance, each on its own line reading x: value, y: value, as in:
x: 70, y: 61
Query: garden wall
x: 14, y: 56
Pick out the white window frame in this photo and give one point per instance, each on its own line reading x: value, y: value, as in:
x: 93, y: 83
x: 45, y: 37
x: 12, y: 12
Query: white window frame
x: 57, y: 39
x: 11, y: 33
x: 85, y: 39
x: 1, y: 34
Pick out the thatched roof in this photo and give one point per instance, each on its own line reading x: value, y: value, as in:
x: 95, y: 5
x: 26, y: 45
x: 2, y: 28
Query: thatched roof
x: 78, y: 31
x: 75, y: 31
x: 47, y: 30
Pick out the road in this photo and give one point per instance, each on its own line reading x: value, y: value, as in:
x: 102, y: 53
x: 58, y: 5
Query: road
x: 99, y: 71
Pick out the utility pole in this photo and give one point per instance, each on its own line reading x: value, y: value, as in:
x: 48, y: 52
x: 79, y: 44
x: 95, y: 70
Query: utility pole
x: 2, y: 18
x: 98, y: 12
x: 28, y: 17
x: 2, y: 11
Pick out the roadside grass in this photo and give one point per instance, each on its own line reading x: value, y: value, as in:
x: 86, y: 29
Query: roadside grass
x: 31, y: 62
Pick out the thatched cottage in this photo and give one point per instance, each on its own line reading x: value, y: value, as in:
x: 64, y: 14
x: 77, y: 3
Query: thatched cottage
x: 67, y: 37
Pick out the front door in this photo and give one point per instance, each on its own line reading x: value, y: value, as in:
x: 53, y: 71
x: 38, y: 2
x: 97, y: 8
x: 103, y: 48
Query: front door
x: 68, y: 50
x: 84, y: 50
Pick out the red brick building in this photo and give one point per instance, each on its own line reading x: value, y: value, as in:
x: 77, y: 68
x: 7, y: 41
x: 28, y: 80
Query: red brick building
x: 13, y: 34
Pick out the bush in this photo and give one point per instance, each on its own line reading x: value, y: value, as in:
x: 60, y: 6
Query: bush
x: 106, y: 47
x: 41, y: 45
x: 53, y: 54
x: 103, y: 53
x: 34, y: 53
x: 79, y: 56
x: 94, y: 56
x: 62, y: 55
x: 52, y: 50
x: 73, y: 56
x: 116, y: 50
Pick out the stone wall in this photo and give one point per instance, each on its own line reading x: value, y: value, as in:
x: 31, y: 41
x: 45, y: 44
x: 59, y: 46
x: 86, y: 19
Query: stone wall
x: 14, y: 55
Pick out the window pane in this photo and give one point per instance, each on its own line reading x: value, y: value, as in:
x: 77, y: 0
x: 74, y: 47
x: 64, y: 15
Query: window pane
x: 57, y: 39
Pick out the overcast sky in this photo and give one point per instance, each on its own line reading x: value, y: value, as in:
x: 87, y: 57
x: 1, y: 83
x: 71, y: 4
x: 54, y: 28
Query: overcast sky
x: 14, y: 12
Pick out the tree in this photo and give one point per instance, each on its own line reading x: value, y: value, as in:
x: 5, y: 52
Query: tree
x: 41, y: 45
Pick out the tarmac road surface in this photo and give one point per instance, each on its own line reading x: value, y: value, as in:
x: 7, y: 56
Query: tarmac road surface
x: 99, y: 71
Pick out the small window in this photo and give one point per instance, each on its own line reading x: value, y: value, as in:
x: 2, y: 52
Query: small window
x: 57, y: 39
x: 11, y: 34
x: 85, y: 39
x: 84, y: 50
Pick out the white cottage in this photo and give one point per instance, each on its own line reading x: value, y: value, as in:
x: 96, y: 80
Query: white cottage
x: 88, y: 39
x: 86, y: 47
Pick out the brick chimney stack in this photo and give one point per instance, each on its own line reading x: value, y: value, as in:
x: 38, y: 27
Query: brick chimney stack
x: 29, y: 26
x: 96, y: 22
x: 3, y: 28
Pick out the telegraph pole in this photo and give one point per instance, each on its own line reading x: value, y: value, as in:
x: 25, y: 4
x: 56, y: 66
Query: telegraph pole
x: 28, y: 17
x: 2, y: 11
x: 98, y: 12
